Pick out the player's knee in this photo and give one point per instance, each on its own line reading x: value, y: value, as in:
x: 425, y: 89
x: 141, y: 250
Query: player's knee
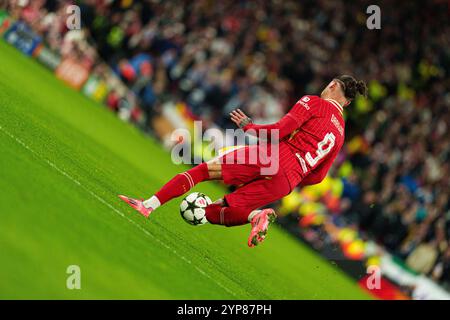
x: 215, y: 175
x: 214, y: 166
x: 214, y: 170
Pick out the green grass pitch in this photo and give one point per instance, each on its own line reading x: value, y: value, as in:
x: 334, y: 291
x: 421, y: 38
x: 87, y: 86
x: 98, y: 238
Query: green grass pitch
x: 63, y: 160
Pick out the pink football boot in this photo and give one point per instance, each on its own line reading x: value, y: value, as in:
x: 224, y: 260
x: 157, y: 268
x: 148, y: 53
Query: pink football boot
x: 260, y: 223
x: 137, y: 205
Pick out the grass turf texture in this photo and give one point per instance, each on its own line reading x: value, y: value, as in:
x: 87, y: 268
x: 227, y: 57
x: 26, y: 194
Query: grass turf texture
x: 48, y: 221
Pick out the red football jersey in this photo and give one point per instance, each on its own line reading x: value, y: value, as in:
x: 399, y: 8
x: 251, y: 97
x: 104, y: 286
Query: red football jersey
x: 311, y: 135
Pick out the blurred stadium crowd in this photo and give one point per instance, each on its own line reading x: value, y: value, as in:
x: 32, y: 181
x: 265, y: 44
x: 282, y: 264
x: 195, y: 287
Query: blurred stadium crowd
x: 392, y: 180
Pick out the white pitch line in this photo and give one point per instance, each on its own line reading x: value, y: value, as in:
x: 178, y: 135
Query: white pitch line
x: 97, y: 197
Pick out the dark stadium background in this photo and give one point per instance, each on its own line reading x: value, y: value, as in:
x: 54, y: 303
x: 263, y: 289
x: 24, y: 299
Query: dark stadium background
x: 162, y: 64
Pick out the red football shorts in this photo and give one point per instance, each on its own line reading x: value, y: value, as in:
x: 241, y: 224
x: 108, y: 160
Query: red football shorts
x: 255, y: 189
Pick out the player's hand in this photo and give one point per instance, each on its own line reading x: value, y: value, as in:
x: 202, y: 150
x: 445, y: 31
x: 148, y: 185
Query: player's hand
x: 240, y: 118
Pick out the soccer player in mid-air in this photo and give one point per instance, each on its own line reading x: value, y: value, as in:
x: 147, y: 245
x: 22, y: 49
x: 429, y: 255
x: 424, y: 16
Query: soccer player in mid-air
x: 310, y: 137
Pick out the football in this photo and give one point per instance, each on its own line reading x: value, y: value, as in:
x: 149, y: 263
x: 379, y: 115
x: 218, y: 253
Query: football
x: 192, y: 208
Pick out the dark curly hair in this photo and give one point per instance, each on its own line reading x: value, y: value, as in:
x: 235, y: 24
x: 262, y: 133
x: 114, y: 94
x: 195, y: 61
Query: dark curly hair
x: 352, y: 87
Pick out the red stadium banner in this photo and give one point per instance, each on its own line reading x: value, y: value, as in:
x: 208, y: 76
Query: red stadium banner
x: 73, y: 73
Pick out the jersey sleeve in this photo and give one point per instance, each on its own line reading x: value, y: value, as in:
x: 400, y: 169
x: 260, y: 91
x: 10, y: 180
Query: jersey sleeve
x: 285, y: 127
x: 293, y: 120
x: 304, y: 109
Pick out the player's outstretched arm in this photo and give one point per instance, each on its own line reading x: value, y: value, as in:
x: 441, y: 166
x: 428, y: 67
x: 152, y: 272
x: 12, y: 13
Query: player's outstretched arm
x: 285, y: 126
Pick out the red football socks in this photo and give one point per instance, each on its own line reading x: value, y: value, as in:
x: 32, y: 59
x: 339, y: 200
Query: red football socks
x: 182, y: 183
x: 227, y: 216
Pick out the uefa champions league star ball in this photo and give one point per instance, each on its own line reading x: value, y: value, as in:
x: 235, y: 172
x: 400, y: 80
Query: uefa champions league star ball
x: 192, y: 208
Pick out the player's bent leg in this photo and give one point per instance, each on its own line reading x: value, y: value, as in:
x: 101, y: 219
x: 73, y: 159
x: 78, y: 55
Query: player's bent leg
x: 216, y: 213
x: 246, y: 199
x: 232, y: 216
